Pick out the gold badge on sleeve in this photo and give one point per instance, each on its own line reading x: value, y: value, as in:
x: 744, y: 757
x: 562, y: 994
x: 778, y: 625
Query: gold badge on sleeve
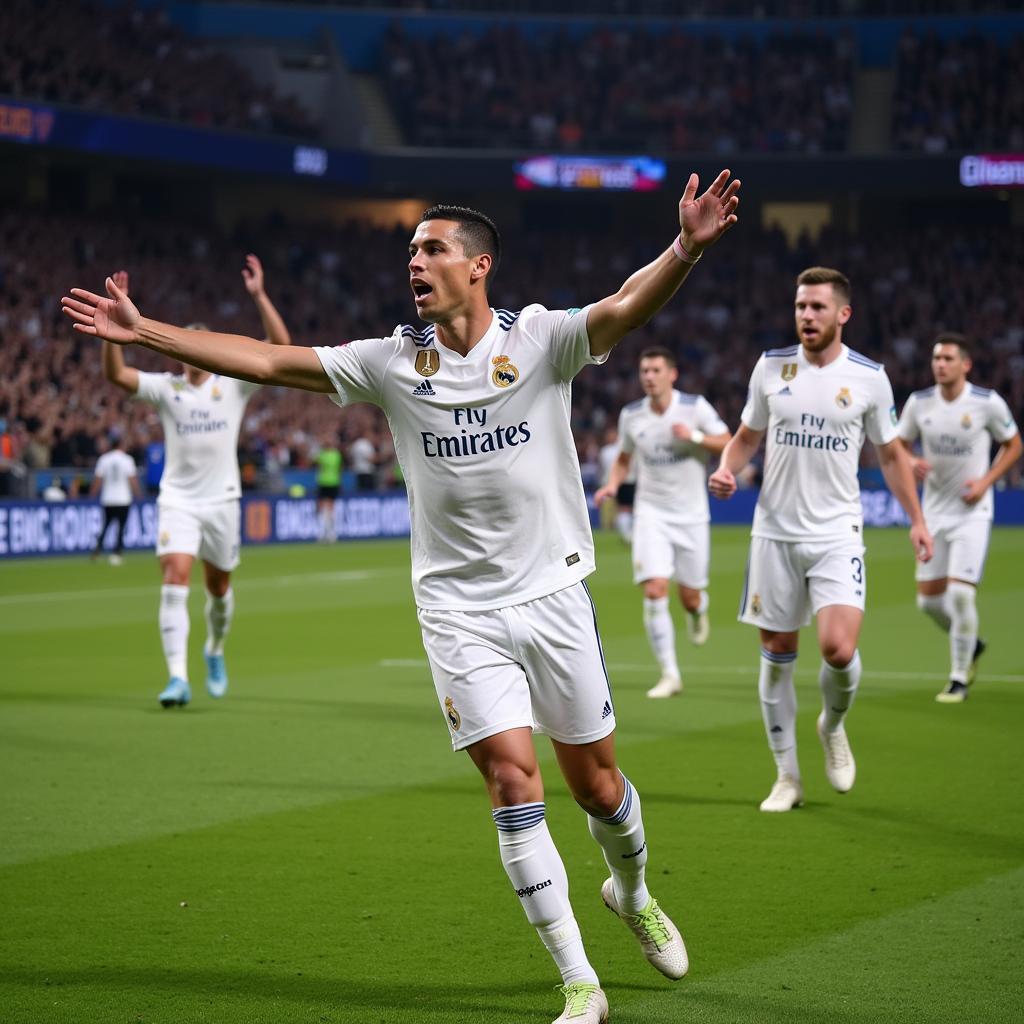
x: 788, y: 371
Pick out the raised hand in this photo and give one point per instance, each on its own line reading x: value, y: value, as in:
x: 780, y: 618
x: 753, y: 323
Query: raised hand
x: 704, y: 220
x: 252, y: 274
x: 112, y: 319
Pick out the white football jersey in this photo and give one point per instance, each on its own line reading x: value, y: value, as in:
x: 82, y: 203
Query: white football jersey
x: 496, y: 499
x: 956, y: 438
x: 201, y: 426
x: 115, y: 469
x: 671, y: 475
x: 815, y: 420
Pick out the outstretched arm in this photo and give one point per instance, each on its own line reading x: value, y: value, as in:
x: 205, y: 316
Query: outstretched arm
x: 115, y: 319
x: 899, y: 477
x: 702, y: 221
x: 736, y: 454
x: 273, y: 325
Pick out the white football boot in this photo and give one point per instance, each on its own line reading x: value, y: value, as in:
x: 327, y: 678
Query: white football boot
x: 786, y: 794
x: 840, y: 767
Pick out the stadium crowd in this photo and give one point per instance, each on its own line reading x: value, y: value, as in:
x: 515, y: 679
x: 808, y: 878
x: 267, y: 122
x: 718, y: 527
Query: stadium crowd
x: 618, y: 88
x: 958, y: 93
x: 137, y: 64
x: 908, y: 285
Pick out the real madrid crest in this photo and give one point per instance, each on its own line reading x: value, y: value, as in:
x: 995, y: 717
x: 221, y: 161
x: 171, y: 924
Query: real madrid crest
x: 505, y: 374
x: 755, y: 604
x: 454, y: 718
x: 965, y: 421
x: 216, y: 393
x: 788, y: 371
x: 844, y: 399
x: 428, y: 362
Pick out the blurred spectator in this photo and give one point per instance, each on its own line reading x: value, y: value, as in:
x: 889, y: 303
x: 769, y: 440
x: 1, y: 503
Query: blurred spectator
x: 362, y: 456
x: 132, y: 61
x: 622, y: 88
x: 959, y: 93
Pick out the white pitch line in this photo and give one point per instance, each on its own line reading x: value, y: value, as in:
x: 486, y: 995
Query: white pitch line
x: 724, y: 670
x: 342, y: 576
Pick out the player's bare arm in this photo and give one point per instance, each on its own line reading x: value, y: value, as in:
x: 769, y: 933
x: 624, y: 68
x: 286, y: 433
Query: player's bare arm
x: 899, y: 478
x: 618, y: 472
x: 273, y: 324
x: 735, y: 455
x: 702, y: 221
x: 920, y: 466
x: 714, y: 443
x: 115, y: 319
x: 1008, y: 454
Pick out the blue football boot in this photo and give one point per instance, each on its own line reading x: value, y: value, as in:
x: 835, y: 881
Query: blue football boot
x: 175, y: 693
x: 216, y: 675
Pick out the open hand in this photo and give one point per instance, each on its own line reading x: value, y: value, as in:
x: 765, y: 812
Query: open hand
x: 704, y: 220
x: 602, y: 494
x: 252, y: 275
x: 112, y: 319
x: 973, y: 491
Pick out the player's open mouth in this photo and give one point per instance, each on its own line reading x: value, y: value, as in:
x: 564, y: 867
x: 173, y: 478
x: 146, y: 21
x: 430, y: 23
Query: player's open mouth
x: 421, y: 289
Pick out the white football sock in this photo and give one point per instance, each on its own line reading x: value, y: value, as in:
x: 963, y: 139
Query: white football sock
x: 661, y: 634
x: 936, y: 607
x: 621, y: 838
x: 838, y: 688
x: 539, y: 880
x: 963, y: 630
x: 174, y: 628
x: 624, y: 524
x: 219, y: 612
x: 778, y: 709
x: 703, y: 604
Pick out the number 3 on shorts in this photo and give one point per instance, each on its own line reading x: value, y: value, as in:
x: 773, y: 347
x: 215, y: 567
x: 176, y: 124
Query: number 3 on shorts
x: 858, y: 569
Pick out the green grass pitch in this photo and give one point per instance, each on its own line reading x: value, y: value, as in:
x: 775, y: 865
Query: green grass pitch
x: 310, y: 850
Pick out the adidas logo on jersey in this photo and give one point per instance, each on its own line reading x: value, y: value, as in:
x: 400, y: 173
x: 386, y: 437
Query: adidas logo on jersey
x: 424, y: 390
x: 785, y: 391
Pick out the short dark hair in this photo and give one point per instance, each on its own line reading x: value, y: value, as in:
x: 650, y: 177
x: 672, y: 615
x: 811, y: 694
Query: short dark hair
x: 826, y: 275
x: 477, y: 232
x: 659, y: 352
x: 952, y: 338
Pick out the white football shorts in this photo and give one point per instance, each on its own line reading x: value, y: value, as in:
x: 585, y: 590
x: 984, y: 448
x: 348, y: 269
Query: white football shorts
x: 537, y: 665
x: 787, y: 581
x: 960, y: 551
x: 663, y: 550
x: 210, y: 532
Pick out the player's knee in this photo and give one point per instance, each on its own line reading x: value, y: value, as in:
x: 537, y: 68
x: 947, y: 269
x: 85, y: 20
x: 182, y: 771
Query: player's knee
x: 655, y: 590
x: 510, y: 784
x: 838, y: 652
x: 600, y: 793
x: 961, y: 596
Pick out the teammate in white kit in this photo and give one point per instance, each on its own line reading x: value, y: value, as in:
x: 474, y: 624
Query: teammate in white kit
x: 672, y: 435
x: 956, y: 423
x: 116, y: 481
x: 814, y: 403
x: 198, y: 507
x: 478, y: 403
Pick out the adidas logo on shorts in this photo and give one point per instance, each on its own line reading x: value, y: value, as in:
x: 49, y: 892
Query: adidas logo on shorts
x: 607, y: 710
x: 424, y: 390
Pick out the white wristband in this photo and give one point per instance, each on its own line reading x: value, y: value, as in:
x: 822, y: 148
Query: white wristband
x: 697, y: 436
x: 684, y: 255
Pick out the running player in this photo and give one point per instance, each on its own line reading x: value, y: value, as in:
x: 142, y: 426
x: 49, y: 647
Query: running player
x: 673, y: 435
x: 815, y: 403
x: 956, y: 423
x: 478, y: 403
x: 198, y: 507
